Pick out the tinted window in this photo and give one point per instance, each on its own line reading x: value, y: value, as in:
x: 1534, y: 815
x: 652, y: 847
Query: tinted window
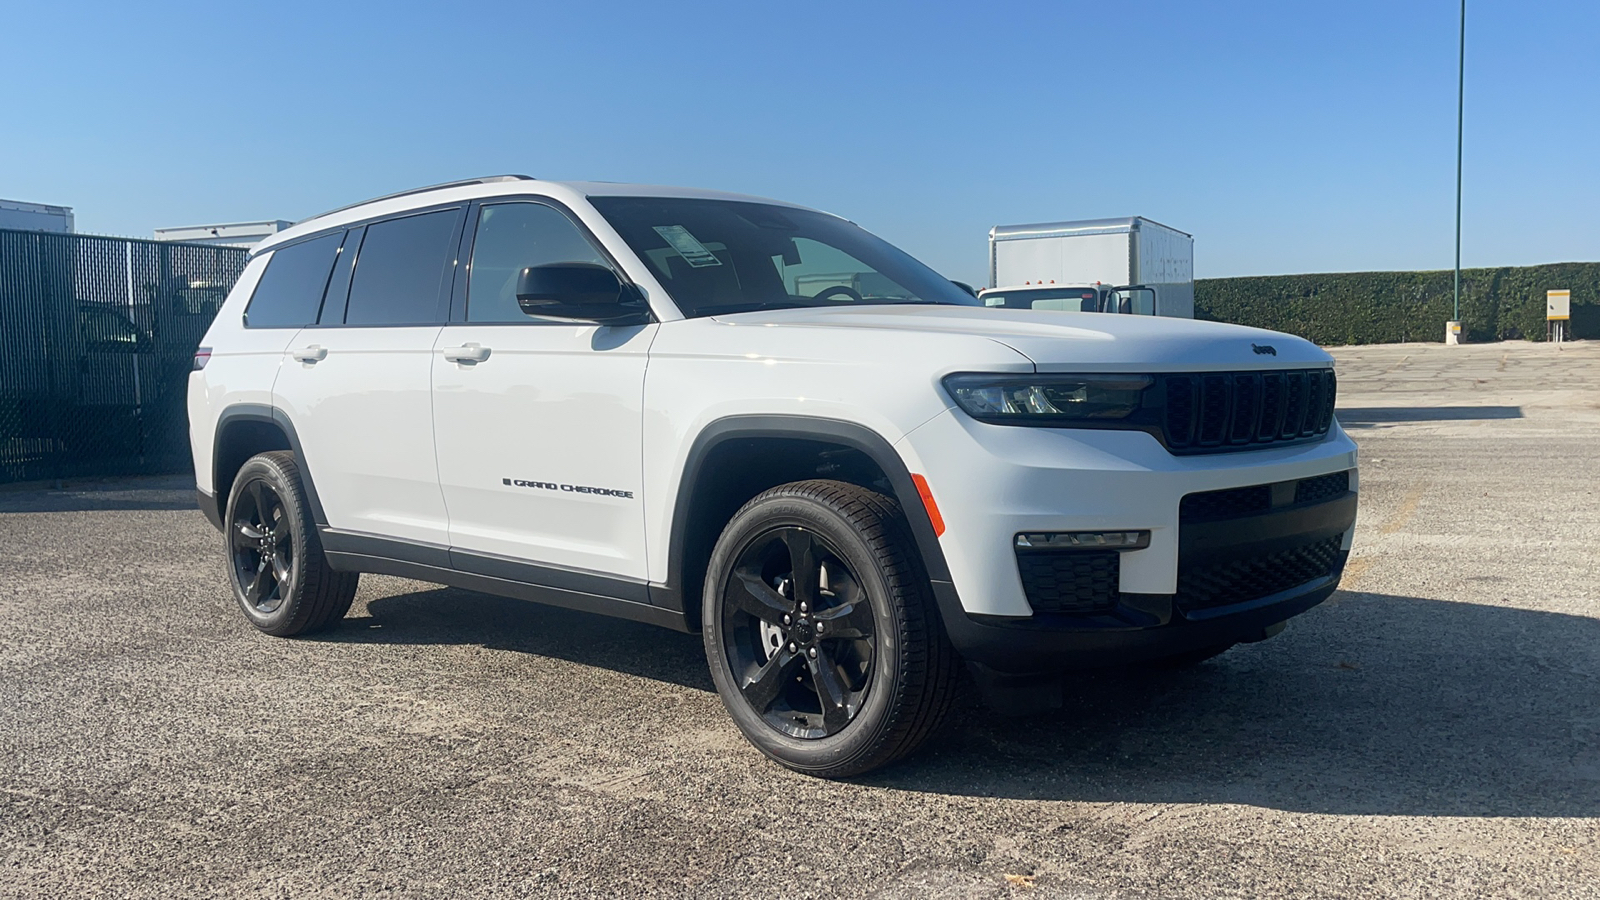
x: 511, y: 237
x: 400, y: 271
x: 339, y: 284
x: 290, y: 290
x: 728, y: 256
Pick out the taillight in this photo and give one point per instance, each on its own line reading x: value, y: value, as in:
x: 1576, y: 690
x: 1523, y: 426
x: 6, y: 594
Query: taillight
x: 202, y: 355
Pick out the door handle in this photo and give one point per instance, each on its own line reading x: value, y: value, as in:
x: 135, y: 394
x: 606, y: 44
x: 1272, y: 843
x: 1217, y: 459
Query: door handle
x: 467, y: 353
x: 312, y: 354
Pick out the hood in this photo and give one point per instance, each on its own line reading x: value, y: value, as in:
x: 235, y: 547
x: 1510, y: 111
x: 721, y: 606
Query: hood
x: 1071, y: 341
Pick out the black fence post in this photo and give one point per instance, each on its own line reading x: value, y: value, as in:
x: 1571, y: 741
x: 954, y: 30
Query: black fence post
x: 47, y: 358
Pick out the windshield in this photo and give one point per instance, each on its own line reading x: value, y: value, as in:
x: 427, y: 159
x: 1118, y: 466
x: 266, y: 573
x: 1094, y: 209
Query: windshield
x: 724, y: 256
x: 1073, y: 299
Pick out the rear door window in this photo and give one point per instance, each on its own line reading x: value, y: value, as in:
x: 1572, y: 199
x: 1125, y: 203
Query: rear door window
x: 403, y: 270
x: 290, y: 291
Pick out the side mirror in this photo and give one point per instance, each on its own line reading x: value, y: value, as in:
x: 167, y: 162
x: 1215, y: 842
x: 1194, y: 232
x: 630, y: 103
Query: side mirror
x: 965, y: 287
x: 581, y: 291
x: 1134, y: 299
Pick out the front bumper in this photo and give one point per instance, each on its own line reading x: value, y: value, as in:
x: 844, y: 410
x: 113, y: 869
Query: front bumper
x: 1056, y: 644
x: 1019, y: 668
x: 992, y: 482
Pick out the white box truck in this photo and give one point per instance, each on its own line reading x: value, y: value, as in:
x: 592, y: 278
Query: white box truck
x: 1130, y: 265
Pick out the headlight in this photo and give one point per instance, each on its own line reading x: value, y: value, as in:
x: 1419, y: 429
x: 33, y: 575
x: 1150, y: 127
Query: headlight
x: 1048, y: 399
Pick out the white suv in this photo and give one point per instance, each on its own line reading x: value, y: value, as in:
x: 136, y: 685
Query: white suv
x: 730, y: 415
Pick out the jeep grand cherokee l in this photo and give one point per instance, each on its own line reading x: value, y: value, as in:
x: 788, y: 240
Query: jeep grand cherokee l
x: 757, y: 421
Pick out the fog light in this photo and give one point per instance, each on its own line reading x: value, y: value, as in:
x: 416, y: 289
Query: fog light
x: 1084, y: 540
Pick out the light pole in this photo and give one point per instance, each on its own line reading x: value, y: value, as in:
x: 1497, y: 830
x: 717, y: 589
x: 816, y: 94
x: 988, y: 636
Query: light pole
x: 1461, y: 90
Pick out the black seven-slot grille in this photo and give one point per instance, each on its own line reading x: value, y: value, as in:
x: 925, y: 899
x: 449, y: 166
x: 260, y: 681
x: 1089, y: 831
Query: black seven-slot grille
x: 1217, y: 411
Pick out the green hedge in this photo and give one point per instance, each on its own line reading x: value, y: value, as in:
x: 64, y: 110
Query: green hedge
x: 1386, y: 307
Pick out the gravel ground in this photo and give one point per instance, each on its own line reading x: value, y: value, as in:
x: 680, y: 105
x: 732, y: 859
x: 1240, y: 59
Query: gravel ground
x: 1430, y: 731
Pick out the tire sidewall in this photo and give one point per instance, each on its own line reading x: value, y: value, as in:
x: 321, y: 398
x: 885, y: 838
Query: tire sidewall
x: 865, y: 731
x: 283, y: 619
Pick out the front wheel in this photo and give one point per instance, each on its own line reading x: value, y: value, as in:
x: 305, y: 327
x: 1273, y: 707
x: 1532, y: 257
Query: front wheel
x: 822, y: 637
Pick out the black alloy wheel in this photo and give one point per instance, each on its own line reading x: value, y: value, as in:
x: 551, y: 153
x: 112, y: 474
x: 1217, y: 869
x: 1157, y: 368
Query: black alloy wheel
x: 281, y: 579
x: 798, y: 633
x: 821, y: 631
x: 263, y: 549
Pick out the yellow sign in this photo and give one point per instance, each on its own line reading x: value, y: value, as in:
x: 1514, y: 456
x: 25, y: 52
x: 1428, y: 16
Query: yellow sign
x: 1558, y: 305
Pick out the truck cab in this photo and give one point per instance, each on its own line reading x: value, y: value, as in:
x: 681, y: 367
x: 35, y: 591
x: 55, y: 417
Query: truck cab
x: 1131, y: 299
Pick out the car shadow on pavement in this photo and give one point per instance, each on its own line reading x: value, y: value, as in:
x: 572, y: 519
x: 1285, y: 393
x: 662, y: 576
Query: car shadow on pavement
x: 77, y: 502
x: 159, y: 492
x: 1371, y: 705
x: 452, y: 616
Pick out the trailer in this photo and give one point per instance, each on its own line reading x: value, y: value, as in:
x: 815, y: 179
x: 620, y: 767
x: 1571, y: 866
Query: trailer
x: 1134, y: 264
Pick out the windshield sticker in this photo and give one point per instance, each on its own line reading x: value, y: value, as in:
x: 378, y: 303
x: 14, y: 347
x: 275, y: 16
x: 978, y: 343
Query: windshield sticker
x: 693, y: 252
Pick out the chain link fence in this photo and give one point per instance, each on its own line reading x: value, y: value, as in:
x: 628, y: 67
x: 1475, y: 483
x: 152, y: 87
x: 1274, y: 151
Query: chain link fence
x: 97, y: 336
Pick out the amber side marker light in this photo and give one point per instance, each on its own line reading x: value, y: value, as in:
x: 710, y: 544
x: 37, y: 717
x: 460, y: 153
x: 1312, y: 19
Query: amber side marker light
x: 929, y: 505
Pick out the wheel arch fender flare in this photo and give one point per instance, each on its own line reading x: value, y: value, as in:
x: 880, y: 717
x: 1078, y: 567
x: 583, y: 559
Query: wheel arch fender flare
x: 849, y: 434
x: 276, y: 418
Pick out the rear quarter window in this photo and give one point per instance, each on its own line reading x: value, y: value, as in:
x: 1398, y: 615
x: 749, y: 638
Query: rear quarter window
x: 289, y: 293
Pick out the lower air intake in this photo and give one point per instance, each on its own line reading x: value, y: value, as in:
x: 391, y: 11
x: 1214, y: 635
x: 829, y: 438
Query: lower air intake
x: 1243, y: 580
x: 1070, y: 581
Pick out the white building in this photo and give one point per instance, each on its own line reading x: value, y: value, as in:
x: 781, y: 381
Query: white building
x: 230, y: 234
x: 35, y: 216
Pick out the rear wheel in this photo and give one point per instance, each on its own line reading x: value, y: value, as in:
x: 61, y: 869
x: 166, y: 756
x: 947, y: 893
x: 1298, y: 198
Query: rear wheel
x: 280, y: 577
x: 820, y: 631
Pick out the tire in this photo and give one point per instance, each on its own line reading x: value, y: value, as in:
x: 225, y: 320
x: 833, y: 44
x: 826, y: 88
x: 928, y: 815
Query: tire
x: 888, y: 670
x: 280, y: 578
x: 1188, y: 660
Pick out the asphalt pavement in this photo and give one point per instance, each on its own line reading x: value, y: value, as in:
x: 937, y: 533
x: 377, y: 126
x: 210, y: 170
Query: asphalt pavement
x: 1432, y: 730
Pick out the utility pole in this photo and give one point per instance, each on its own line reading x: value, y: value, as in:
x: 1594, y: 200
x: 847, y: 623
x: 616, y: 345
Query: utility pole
x: 1461, y: 90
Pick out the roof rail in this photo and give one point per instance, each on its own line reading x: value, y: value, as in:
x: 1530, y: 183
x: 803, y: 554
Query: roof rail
x: 487, y: 179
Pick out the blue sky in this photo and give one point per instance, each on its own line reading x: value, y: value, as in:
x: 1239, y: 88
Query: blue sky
x: 1287, y: 136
